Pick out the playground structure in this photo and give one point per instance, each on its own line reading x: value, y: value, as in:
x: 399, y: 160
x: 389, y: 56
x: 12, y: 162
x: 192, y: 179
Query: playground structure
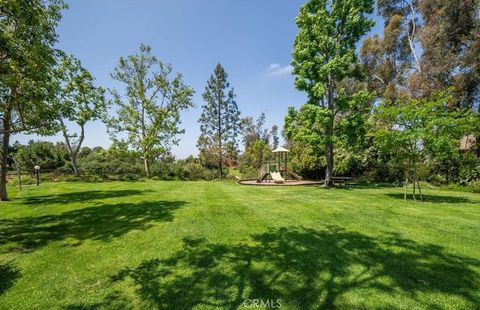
x: 276, y: 169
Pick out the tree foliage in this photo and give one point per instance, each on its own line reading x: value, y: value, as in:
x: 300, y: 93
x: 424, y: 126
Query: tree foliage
x: 220, y: 119
x: 450, y: 40
x: 253, y: 130
x: 27, y: 57
x: 78, y: 101
x: 419, y: 128
x: 324, y: 55
x: 47, y: 155
x: 257, y: 153
x: 148, y: 115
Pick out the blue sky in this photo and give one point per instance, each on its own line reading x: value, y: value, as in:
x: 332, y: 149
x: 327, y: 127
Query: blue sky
x: 252, y: 39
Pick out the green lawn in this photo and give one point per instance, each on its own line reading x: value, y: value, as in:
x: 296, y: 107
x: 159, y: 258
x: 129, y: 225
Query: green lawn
x: 205, y: 245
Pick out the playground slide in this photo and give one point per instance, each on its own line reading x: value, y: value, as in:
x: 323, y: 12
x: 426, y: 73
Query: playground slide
x: 277, y: 178
x: 294, y: 175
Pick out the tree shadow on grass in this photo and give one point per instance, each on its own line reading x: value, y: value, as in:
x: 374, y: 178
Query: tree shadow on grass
x: 306, y: 269
x: 8, y: 275
x: 81, y: 196
x: 100, y: 222
x: 435, y: 198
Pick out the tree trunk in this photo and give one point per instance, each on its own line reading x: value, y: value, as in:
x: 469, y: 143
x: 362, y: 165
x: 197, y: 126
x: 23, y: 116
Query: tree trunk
x: 419, y: 190
x: 19, y: 176
x: 4, y: 154
x: 329, y: 170
x: 415, y: 180
x: 146, y: 165
x: 220, y: 162
x: 411, y: 38
x: 220, y: 155
x: 73, y: 151
x: 329, y: 148
x: 73, y: 158
x: 406, y: 186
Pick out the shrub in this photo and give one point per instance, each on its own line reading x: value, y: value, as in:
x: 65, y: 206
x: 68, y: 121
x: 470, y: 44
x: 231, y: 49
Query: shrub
x: 248, y: 172
x: 193, y: 171
x: 469, y: 173
x: 474, y: 186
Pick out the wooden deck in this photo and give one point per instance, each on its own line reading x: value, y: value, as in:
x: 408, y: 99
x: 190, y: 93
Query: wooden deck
x: 288, y: 183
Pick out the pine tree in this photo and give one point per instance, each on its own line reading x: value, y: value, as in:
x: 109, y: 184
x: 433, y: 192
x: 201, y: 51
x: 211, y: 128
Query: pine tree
x: 220, y: 118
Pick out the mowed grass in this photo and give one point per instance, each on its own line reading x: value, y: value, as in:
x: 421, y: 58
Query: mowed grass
x: 212, y: 245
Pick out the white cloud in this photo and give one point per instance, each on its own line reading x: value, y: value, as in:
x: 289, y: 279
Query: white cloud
x: 279, y: 70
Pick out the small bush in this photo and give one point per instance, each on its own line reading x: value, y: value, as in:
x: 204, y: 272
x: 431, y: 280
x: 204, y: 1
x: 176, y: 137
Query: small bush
x: 475, y: 186
x: 437, y: 179
x: 193, y: 171
x: 248, y: 172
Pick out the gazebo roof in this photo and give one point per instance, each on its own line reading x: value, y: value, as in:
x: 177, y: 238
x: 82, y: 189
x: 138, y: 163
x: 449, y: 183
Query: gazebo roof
x: 280, y: 150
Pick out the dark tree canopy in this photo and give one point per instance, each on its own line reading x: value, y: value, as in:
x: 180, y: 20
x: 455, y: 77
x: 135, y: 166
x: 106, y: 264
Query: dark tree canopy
x: 27, y: 58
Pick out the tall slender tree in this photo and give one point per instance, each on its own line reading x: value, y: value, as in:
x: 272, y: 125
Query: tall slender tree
x: 148, y: 116
x: 323, y: 55
x: 79, y: 102
x: 220, y: 118
x: 27, y: 57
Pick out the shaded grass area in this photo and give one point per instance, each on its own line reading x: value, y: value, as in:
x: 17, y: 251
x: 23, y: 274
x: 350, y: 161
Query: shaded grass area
x: 206, y: 245
x: 435, y: 198
x: 100, y: 222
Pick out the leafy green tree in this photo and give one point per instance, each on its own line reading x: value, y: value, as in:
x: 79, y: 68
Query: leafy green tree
x: 324, y: 55
x: 149, y: 112
x: 306, y: 160
x: 27, y: 56
x: 79, y: 102
x: 220, y: 118
x: 412, y: 130
x: 450, y: 41
x: 47, y: 155
x: 256, y: 140
x: 257, y: 153
x: 446, y: 32
x: 117, y: 162
x: 208, y: 152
